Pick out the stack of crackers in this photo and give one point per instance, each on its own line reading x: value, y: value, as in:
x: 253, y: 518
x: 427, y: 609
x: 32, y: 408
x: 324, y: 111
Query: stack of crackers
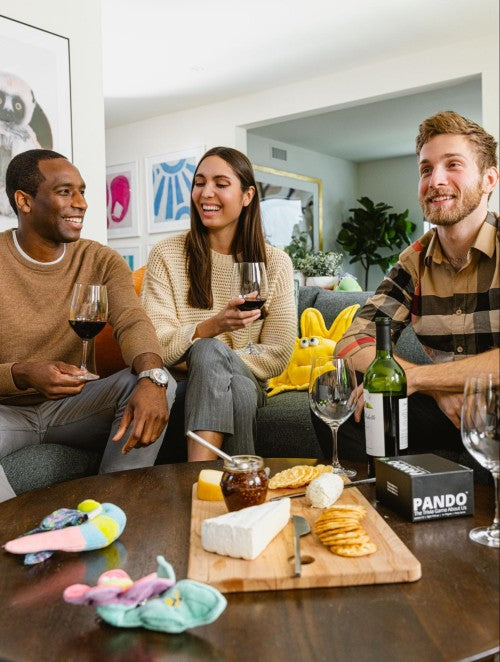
x: 338, y: 528
x: 298, y: 476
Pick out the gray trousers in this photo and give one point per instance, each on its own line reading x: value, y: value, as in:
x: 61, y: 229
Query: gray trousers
x: 88, y: 420
x: 222, y: 395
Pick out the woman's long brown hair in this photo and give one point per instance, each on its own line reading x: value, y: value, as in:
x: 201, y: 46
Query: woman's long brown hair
x: 248, y: 244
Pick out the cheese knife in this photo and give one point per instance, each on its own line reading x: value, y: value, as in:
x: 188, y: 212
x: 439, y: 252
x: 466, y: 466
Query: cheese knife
x: 353, y: 483
x: 300, y: 528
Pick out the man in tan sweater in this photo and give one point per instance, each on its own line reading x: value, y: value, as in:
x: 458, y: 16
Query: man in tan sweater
x: 42, y: 399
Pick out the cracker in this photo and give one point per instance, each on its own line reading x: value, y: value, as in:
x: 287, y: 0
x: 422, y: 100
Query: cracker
x: 297, y: 476
x: 321, y: 469
x: 354, y: 550
x: 305, y: 478
x: 338, y: 528
x: 352, y: 538
x: 349, y: 507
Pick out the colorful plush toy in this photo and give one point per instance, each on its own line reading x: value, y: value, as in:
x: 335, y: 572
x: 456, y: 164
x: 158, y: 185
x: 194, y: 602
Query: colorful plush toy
x: 91, y: 526
x: 155, y: 602
x: 315, y: 340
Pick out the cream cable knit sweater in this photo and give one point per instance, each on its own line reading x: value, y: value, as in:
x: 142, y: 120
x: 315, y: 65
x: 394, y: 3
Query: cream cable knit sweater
x: 165, y: 298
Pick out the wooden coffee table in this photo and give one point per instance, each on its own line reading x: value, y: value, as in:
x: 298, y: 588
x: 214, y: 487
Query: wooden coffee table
x: 452, y: 613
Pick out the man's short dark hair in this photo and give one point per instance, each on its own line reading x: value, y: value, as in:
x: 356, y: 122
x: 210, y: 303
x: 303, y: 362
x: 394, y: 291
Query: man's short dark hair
x: 23, y: 173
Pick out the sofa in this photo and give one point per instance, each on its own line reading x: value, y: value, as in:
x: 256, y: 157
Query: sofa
x: 284, y: 426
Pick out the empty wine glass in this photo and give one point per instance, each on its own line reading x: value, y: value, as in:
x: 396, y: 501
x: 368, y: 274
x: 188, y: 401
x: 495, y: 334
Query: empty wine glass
x: 250, y: 282
x: 88, y: 312
x: 481, y: 437
x: 333, y: 397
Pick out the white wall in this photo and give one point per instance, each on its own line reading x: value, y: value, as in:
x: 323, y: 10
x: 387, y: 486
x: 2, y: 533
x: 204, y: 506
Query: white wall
x: 81, y: 23
x: 225, y: 123
x: 393, y: 181
x: 338, y: 176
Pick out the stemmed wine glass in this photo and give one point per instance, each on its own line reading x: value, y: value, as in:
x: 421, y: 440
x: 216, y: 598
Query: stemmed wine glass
x: 333, y: 397
x: 480, y: 423
x: 88, y: 312
x: 250, y: 282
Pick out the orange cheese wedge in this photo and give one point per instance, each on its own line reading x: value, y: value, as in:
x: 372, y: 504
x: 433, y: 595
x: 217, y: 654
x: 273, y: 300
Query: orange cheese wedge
x: 209, y: 485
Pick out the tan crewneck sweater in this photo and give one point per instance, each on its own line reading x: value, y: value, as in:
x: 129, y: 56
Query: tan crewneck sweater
x: 34, y: 309
x: 165, y: 298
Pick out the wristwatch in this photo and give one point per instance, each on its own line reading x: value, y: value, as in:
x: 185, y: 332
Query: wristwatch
x: 156, y: 375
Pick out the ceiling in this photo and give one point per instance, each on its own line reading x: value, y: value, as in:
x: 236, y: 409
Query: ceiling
x: 378, y: 130
x: 162, y: 56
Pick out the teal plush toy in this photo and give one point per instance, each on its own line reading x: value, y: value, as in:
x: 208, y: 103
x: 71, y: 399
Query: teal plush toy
x: 155, y: 602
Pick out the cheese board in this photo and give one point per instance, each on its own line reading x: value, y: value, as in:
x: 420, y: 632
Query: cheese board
x: 273, y: 569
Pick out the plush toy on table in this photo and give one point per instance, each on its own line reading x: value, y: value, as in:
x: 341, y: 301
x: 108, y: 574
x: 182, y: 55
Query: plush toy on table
x: 315, y: 340
x: 155, y: 602
x: 92, y: 525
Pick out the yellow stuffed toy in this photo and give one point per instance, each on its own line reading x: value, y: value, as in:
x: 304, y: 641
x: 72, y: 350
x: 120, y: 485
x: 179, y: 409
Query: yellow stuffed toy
x: 315, y: 339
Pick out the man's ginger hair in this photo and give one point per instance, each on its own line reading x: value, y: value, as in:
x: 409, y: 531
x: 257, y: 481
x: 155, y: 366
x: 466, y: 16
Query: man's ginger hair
x: 483, y: 144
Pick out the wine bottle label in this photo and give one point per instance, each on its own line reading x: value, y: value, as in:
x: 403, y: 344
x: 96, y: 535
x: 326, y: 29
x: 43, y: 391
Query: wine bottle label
x: 374, y: 424
x: 403, y: 424
x: 386, y: 424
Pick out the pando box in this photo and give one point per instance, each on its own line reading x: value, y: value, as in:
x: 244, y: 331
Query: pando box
x: 422, y: 487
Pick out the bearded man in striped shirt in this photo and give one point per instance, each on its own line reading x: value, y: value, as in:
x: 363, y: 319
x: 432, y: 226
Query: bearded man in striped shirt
x: 446, y: 284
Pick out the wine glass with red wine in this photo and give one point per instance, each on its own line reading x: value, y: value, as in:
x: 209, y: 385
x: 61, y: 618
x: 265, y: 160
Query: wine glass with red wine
x: 250, y: 282
x: 88, y: 313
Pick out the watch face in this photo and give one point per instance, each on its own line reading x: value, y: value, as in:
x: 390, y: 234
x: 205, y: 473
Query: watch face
x: 160, y: 376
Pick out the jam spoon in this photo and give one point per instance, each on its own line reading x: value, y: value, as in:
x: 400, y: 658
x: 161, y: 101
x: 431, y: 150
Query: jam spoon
x: 241, y: 464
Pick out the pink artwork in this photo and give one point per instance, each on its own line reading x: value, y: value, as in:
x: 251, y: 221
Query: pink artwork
x: 121, y: 196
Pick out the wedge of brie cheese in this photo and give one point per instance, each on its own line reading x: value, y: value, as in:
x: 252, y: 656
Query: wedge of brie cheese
x: 245, y: 533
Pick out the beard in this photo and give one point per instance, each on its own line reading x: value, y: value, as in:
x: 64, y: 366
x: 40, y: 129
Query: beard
x: 470, y: 201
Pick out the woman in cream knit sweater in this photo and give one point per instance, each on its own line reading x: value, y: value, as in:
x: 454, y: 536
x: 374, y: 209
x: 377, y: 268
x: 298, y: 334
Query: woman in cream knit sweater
x: 187, y: 294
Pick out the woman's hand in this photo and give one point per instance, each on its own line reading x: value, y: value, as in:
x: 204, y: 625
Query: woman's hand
x: 230, y: 318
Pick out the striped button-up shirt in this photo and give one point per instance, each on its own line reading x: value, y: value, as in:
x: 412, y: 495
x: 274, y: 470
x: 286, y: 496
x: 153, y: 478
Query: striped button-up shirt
x: 454, y: 314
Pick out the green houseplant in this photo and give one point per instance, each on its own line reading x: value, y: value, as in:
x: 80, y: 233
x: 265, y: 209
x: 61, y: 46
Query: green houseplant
x: 322, y: 268
x: 371, y: 229
x: 298, y: 249
x: 320, y: 263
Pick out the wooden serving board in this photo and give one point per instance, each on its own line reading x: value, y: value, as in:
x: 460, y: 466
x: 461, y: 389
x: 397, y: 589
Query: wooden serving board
x: 273, y: 568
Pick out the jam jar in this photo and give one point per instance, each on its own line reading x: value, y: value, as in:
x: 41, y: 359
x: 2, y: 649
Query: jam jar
x: 244, y: 482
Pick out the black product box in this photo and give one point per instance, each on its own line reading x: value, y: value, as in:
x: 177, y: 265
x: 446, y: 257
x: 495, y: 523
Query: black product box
x: 426, y: 486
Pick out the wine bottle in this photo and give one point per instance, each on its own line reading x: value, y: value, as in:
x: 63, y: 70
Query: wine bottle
x: 386, y: 405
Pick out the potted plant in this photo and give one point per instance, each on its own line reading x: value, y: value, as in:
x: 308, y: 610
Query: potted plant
x: 297, y: 249
x: 370, y: 229
x: 322, y: 268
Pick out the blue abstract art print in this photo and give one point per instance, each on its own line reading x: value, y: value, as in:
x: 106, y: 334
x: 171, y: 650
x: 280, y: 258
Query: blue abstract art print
x: 169, y: 179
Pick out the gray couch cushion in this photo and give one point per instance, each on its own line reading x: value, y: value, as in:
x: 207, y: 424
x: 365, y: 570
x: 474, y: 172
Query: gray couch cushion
x: 284, y: 427
x: 44, y: 464
x: 307, y: 297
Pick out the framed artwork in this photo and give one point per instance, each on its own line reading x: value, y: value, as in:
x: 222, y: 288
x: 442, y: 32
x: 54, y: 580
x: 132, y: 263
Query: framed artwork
x: 169, y: 178
x: 131, y: 255
x: 36, y: 97
x: 121, y: 200
x: 290, y: 204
